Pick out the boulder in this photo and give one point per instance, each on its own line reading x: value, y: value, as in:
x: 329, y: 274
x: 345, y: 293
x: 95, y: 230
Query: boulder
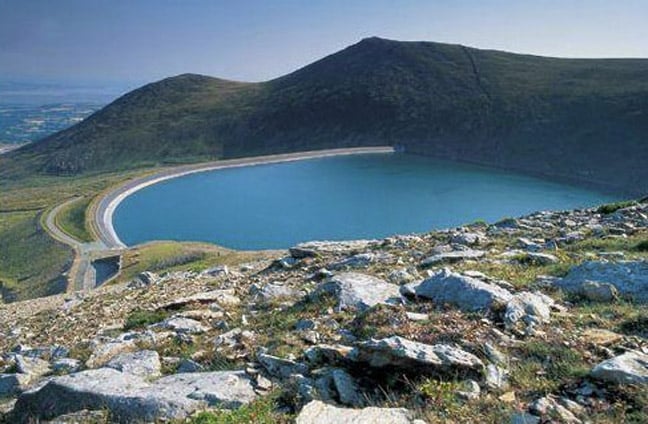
x: 524, y: 418
x: 317, y: 412
x: 280, y: 367
x: 230, y: 338
x: 66, y: 365
x: 314, y: 248
x: 528, y: 245
x: 223, y: 297
x: 469, y: 390
x: 145, y: 363
x: 188, y: 365
x: 275, y: 290
x: 401, y: 276
x: 130, y: 398
x: 348, y: 392
x: 144, y: 279
x: 52, y: 352
x: 496, y: 377
x: 630, y: 278
x: 601, y: 337
x: 549, y: 408
x: 361, y: 260
x: 413, y: 356
x: 454, y: 256
x: 466, y: 293
x: 181, y: 325
x: 628, y: 368
x: 217, y: 271
x: 540, y: 258
x: 32, y: 366
x: 598, y: 292
x: 528, y: 308
x: 105, y: 350
x: 358, y: 291
x: 468, y: 238
x: 322, y: 353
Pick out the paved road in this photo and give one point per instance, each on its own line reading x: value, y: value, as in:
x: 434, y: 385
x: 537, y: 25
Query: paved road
x: 79, y: 277
x: 107, y: 205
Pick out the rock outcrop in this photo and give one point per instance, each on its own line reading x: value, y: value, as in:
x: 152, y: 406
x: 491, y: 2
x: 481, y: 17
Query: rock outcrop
x: 629, y: 278
x: 132, y: 399
x: 359, y: 291
x: 629, y: 368
x: 464, y: 292
x: 317, y: 412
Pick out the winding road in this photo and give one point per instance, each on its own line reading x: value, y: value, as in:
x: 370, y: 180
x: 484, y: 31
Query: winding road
x: 80, y: 275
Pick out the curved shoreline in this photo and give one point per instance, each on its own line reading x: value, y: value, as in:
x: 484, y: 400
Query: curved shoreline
x: 106, y: 206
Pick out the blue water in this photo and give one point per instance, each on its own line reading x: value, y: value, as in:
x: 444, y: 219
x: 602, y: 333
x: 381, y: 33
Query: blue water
x: 346, y: 197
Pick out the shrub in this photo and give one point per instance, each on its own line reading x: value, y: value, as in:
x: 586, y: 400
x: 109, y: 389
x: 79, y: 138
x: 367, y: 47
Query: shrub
x: 613, y: 207
x: 141, y: 318
x: 642, y: 246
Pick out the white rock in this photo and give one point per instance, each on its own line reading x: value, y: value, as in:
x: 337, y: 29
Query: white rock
x: 496, y: 377
x: 454, y: 256
x: 66, y: 365
x: 358, y: 291
x: 274, y: 291
x: 181, y: 325
x: 468, y: 239
x: 34, y: 367
x: 401, y: 276
x: 145, y: 363
x: 628, y: 368
x: 130, y: 398
x: 399, y: 352
x: 541, y: 258
x: 105, y: 350
x: 314, y: 248
x: 464, y: 292
x: 280, y: 367
x: 548, y: 407
x: 317, y: 412
x: 529, y: 308
x: 630, y: 278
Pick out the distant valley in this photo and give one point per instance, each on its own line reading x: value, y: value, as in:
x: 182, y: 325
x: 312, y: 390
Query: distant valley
x: 26, y: 123
x: 33, y: 109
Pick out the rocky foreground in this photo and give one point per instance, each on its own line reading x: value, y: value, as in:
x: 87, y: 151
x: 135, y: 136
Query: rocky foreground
x: 529, y: 320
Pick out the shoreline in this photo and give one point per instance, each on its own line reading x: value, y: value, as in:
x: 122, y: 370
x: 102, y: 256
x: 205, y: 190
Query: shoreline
x: 108, y: 203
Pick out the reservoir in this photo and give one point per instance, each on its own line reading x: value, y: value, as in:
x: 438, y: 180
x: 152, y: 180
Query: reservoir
x: 337, y: 198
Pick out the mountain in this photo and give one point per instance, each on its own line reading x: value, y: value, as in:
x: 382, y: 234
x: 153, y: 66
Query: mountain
x: 579, y: 119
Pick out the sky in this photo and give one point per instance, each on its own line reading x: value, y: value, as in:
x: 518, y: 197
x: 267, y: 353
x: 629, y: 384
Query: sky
x: 256, y: 40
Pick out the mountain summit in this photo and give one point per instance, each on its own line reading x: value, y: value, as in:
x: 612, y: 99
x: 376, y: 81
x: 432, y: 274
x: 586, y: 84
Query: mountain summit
x: 580, y: 119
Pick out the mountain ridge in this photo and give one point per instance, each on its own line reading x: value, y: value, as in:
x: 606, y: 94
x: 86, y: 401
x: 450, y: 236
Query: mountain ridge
x: 577, y: 119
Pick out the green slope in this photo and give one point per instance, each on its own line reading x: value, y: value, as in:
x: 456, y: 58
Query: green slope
x: 584, y: 120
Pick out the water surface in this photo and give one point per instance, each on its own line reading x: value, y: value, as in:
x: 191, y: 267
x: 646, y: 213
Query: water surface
x: 345, y: 197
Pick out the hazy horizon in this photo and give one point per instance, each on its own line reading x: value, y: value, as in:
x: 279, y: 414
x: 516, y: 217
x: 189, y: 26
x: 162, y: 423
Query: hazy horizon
x: 136, y: 42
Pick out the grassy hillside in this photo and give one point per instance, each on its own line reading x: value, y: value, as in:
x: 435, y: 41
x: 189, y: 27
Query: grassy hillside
x: 584, y: 120
x: 31, y: 263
